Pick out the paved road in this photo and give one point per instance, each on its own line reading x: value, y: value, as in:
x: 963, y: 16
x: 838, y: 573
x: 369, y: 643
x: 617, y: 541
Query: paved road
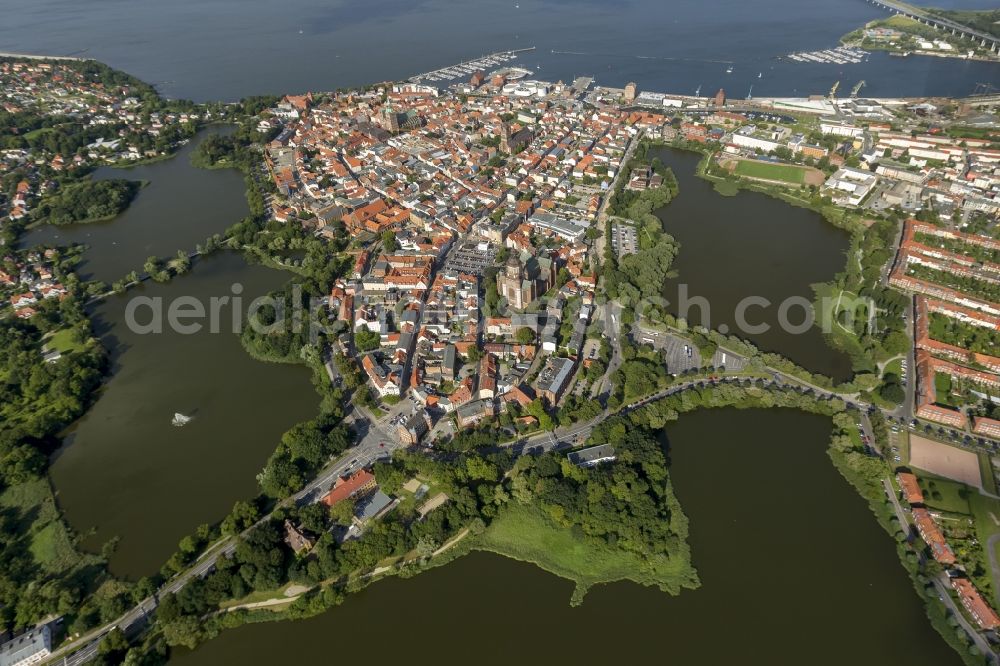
x: 374, y: 442
x: 578, y: 433
x: 943, y: 587
x: 612, y: 311
x: 917, y: 12
x: 612, y: 331
x: 904, y: 523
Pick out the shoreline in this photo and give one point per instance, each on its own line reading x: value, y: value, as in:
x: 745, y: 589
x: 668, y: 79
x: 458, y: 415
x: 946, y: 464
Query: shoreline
x: 34, y: 56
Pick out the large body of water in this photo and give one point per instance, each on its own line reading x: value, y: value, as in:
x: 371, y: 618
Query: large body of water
x: 794, y: 570
x: 180, y: 207
x: 751, y: 245
x: 125, y: 471
x: 226, y: 49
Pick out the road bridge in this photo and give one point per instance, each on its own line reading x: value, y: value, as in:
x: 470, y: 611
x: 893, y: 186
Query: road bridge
x: 986, y: 40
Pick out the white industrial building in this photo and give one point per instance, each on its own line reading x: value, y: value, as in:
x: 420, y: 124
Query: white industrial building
x: 840, y: 129
x: 849, y: 187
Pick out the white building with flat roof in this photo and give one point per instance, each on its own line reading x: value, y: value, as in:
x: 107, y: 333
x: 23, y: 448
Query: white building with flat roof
x: 749, y: 139
x: 570, y: 230
x: 840, y: 129
x: 849, y: 187
x: 31, y: 647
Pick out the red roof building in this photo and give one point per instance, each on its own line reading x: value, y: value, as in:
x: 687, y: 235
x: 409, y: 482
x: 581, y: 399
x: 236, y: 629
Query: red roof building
x: 984, y: 426
x: 973, y: 602
x: 932, y: 536
x: 358, y: 483
x: 911, y: 489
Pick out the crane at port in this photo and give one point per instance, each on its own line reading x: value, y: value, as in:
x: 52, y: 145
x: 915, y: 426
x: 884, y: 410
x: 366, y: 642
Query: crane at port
x: 833, y: 90
x: 857, y: 88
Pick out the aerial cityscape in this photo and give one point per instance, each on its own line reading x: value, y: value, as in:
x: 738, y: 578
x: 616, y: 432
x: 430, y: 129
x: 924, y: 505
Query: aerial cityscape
x: 308, y: 336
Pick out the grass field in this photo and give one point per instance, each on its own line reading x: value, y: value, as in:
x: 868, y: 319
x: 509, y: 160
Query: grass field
x: 256, y: 596
x: 903, y: 439
x: 986, y: 473
x: 62, y: 341
x: 895, y: 367
x: 48, y: 540
x: 947, y: 495
x: 767, y: 171
x: 842, y: 315
x: 526, y: 534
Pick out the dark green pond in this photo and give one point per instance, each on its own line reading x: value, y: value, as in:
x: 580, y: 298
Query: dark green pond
x: 125, y: 471
x: 794, y: 570
x: 180, y: 207
x: 751, y: 245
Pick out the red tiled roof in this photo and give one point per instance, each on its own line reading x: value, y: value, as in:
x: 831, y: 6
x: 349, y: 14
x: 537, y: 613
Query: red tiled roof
x: 349, y: 486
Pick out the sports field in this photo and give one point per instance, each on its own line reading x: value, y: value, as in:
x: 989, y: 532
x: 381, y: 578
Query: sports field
x: 768, y: 171
x: 943, y: 460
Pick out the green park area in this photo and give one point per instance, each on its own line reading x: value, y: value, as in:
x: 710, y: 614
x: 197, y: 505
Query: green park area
x: 843, y: 316
x: 894, y: 367
x: 525, y: 533
x: 64, y: 341
x: 40, y: 531
x: 770, y: 171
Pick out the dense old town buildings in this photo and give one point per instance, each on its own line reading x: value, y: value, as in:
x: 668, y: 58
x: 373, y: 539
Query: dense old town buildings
x: 467, y: 215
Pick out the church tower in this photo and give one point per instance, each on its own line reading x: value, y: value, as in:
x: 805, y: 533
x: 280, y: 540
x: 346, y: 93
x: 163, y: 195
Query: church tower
x: 390, y: 119
x: 505, y: 135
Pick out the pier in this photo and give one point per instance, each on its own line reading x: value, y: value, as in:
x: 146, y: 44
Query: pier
x: 467, y: 67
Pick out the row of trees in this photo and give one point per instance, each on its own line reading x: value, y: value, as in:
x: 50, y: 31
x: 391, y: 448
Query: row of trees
x: 641, y: 275
x: 37, y: 400
x: 626, y: 505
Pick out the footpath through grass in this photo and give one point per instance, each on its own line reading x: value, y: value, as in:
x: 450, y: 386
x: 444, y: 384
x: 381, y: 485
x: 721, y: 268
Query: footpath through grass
x: 525, y: 533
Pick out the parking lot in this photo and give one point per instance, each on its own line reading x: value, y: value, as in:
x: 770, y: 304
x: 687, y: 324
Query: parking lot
x: 471, y: 257
x: 623, y: 239
x: 682, y: 355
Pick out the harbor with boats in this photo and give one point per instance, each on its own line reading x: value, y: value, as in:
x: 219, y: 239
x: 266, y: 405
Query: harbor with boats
x: 842, y: 55
x: 468, y: 67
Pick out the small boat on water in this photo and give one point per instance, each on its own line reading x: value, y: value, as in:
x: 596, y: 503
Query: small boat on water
x: 729, y: 70
x: 180, y: 419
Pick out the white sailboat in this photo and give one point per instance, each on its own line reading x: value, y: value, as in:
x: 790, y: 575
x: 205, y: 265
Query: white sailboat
x: 180, y: 419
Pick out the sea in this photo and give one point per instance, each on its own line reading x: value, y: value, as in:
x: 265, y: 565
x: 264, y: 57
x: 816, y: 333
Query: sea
x: 228, y: 49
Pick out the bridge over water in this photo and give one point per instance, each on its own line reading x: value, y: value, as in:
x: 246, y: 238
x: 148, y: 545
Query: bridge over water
x: 987, y: 41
